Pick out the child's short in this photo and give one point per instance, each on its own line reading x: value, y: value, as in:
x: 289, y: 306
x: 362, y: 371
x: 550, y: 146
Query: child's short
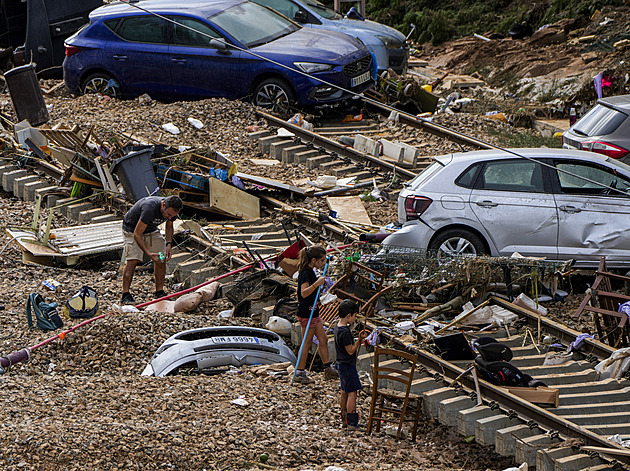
x: 349, y: 378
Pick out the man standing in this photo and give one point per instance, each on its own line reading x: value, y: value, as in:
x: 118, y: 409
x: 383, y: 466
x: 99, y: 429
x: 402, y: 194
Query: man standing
x: 142, y: 236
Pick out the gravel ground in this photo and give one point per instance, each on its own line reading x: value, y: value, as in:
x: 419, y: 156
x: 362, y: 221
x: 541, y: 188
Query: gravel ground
x: 80, y: 403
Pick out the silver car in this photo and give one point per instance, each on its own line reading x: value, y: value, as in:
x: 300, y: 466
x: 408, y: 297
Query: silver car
x: 605, y: 129
x: 553, y: 203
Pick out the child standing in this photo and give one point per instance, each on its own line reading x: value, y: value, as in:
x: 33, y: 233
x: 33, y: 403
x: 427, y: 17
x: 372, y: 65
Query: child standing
x: 310, y: 258
x: 346, y: 349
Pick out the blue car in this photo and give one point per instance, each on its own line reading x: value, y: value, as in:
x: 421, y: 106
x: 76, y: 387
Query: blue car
x: 388, y: 45
x: 221, y: 48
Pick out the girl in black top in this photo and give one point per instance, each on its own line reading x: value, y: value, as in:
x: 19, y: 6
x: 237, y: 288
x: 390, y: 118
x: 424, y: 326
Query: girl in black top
x: 310, y: 258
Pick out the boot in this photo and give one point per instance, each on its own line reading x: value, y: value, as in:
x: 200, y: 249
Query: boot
x: 353, y: 422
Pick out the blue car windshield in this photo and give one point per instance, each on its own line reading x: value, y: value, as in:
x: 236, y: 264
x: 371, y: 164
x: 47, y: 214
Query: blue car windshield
x: 252, y: 24
x: 323, y: 10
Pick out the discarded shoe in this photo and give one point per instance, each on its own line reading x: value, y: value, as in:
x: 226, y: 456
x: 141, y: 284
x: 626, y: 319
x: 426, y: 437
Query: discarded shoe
x: 331, y: 373
x: 159, y: 294
x: 127, y: 298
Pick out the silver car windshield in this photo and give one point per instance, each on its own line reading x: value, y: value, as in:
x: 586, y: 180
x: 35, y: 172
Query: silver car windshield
x: 323, y: 10
x: 252, y: 24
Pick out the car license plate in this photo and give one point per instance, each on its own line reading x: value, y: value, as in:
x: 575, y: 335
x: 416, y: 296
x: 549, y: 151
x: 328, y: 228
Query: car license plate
x: 364, y: 77
x: 235, y: 339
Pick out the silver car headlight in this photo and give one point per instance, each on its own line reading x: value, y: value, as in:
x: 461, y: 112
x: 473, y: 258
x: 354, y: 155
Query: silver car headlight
x: 389, y: 42
x: 312, y: 67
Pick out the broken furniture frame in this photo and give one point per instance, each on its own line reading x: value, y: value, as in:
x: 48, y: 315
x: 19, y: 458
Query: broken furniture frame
x: 387, y: 401
x: 612, y: 326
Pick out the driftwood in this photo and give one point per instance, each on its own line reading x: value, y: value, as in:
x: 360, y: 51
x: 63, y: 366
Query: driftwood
x: 434, y: 311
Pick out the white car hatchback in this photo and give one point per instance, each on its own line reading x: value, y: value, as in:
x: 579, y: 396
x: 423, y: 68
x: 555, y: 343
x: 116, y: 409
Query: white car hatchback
x: 555, y: 203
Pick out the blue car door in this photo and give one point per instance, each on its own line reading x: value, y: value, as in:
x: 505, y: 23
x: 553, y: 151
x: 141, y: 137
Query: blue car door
x: 139, y: 55
x: 199, y: 68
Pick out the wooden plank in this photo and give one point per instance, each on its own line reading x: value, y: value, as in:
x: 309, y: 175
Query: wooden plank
x: 538, y: 395
x: 231, y: 200
x: 349, y: 208
x: 608, y: 451
x: 269, y: 182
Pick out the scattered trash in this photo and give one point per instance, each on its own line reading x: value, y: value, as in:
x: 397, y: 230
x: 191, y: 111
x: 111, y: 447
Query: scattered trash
x: 196, y: 123
x: 298, y: 120
x: 51, y: 284
x: 240, y: 401
x: 170, y: 127
x: 126, y: 309
x: 225, y: 314
x: 279, y: 325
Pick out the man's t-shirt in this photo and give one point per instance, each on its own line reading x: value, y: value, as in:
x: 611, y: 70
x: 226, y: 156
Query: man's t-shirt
x: 343, y: 338
x: 305, y: 304
x: 148, y: 211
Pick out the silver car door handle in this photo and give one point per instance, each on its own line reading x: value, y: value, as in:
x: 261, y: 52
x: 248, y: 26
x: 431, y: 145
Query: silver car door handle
x: 570, y: 209
x: 179, y: 61
x: 120, y: 57
x: 486, y: 204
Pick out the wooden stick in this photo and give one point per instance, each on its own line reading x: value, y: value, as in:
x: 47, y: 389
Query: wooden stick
x: 458, y: 320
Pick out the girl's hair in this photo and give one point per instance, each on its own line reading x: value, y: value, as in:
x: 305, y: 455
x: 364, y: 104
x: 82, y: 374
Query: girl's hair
x: 309, y: 253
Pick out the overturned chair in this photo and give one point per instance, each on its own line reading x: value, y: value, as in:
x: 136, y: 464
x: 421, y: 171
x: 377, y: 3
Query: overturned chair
x: 392, y: 399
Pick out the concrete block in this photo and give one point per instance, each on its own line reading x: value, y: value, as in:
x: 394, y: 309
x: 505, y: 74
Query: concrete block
x: 401, y: 152
x: 6, y: 168
x: 74, y: 209
x: 89, y: 214
x: 526, y: 450
x: 343, y: 170
x: 264, y: 143
x: 175, y: 260
x: 202, y: 275
x: 63, y: 205
x: 467, y: 418
x: 546, y: 459
x: 288, y: 153
x: 330, y: 166
x: 258, y: 134
x: 185, y: 269
x: 421, y: 385
x: 367, y: 145
x: 486, y: 428
x: 18, y: 184
x: 275, y: 148
x: 316, y: 160
x: 505, y: 438
x: 448, y: 409
x: 301, y: 157
x: 107, y: 217
x: 433, y: 398
x: 30, y: 188
x: 9, y: 177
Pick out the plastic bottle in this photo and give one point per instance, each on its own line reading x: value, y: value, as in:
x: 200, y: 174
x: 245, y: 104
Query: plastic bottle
x: 161, y: 256
x: 572, y: 116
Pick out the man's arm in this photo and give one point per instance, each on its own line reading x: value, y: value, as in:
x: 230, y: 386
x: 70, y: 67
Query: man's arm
x: 137, y: 237
x: 169, y: 240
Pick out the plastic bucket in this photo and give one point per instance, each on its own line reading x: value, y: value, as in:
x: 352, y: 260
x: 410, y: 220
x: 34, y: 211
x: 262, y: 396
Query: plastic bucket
x: 136, y: 174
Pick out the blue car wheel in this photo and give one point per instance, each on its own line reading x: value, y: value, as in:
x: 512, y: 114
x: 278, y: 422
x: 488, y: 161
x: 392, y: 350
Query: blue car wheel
x: 102, y: 84
x: 274, y: 94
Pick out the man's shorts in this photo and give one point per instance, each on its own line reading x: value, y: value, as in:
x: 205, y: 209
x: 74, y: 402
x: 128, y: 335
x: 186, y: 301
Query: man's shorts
x: 349, y: 377
x: 304, y: 322
x: 154, y: 241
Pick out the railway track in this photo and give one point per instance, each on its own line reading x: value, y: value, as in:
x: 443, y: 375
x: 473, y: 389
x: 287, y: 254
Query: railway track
x: 588, y: 412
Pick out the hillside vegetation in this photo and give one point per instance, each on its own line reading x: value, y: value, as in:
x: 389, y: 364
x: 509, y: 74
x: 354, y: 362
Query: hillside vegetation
x: 447, y: 20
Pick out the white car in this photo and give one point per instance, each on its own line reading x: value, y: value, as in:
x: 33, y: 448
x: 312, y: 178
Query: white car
x: 555, y: 203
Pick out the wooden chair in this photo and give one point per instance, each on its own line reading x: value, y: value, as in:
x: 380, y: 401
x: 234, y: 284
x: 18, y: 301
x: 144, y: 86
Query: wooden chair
x: 612, y: 326
x: 397, y: 405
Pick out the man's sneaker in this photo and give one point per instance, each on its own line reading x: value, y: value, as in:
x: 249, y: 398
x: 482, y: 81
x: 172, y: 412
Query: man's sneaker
x: 355, y: 428
x: 303, y: 379
x: 159, y: 294
x: 127, y: 298
x: 331, y: 373
x: 353, y: 422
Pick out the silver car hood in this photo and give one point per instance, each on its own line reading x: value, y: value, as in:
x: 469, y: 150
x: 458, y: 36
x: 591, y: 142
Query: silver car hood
x: 214, y: 347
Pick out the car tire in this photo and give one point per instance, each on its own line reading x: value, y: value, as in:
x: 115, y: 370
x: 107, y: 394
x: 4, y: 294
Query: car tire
x: 103, y: 84
x: 276, y: 95
x: 457, y: 242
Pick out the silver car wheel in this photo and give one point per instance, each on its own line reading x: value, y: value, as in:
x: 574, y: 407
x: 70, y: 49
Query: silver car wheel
x: 457, y: 246
x: 271, y: 94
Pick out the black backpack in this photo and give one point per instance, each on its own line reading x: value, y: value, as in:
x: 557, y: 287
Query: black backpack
x: 45, y: 313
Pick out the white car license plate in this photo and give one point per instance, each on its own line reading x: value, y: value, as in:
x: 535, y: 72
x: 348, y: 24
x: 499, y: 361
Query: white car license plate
x: 235, y: 339
x: 364, y: 77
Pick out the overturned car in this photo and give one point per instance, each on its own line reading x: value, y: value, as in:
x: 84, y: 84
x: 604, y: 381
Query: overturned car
x: 210, y: 350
